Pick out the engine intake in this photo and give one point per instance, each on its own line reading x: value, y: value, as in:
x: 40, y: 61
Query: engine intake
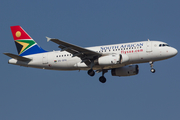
x: 125, y: 71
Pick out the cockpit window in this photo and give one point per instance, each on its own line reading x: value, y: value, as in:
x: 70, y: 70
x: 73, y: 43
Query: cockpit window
x: 163, y: 45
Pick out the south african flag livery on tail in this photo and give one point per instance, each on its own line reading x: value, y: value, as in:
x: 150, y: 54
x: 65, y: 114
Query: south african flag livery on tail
x: 24, y: 43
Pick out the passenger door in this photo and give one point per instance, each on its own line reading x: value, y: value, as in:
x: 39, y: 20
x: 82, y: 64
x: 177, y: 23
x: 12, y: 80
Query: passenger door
x: 149, y: 46
x: 45, y: 58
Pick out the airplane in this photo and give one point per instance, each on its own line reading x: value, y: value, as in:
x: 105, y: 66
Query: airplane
x: 120, y: 59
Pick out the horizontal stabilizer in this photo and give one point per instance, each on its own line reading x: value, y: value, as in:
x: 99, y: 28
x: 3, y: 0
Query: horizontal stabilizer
x: 17, y: 57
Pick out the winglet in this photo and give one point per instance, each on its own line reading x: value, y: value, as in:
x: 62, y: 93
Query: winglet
x: 48, y: 39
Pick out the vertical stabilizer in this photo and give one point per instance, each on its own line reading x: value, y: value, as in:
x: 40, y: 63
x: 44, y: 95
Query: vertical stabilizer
x: 24, y: 43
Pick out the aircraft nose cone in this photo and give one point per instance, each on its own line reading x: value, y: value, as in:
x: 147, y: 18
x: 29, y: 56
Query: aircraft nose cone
x: 174, y: 52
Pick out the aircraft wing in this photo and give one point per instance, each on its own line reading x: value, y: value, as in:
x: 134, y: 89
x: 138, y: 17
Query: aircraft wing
x: 17, y: 57
x: 83, y: 53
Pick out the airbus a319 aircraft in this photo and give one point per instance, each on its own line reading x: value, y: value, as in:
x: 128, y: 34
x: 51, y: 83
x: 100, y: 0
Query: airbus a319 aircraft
x: 120, y: 59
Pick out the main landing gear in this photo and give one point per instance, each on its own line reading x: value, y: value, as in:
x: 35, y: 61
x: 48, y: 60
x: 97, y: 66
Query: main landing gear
x: 91, y: 72
x: 102, y: 79
x: 152, y: 69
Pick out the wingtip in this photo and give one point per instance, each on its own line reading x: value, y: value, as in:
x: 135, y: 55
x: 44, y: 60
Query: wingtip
x: 48, y: 39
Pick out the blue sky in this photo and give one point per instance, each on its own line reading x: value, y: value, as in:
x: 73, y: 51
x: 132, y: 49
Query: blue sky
x: 28, y: 93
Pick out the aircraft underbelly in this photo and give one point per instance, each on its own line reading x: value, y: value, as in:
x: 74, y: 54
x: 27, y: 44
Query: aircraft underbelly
x: 133, y: 57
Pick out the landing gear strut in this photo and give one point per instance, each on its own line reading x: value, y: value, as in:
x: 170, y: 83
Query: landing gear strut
x: 102, y: 79
x: 91, y: 71
x: 152, y: 69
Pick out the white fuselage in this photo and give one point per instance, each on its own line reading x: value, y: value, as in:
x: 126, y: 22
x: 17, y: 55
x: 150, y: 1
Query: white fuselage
x: 137, y: 52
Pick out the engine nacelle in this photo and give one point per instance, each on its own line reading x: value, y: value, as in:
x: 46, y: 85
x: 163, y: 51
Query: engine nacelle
x: 112, y: 59
x: 125, y: 71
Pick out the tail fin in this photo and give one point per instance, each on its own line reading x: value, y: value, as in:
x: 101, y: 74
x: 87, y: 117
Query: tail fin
x: 24, y: 43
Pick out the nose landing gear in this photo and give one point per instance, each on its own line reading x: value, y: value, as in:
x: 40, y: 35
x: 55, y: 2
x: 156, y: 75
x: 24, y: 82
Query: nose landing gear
x: 152, y: 69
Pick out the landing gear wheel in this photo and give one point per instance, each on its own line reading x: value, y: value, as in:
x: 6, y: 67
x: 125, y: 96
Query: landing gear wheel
x: 153, y: 70
x: 91, y: 72
x: 102, y: 79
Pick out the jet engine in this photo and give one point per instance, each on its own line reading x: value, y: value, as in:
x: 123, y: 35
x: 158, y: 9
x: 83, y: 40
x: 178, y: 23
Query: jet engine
x: 112, y: 59
x: 125, y: 71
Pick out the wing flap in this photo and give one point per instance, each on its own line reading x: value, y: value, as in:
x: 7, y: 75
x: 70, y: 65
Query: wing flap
x: 17, y: 57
